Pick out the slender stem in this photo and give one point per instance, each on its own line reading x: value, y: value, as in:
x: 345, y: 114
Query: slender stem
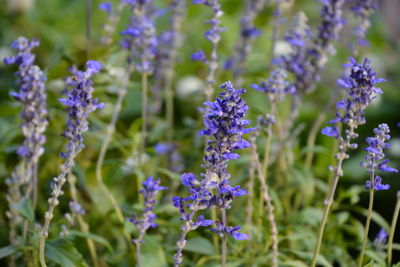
x: 214, y: 237
x: 266, y: 154
x: 224, y: 240
x: 138, y: 255
x: 110, y: 130
x: 170, y: 109
x: 368, y: 222
x: 34, y: 185
x: 250, y: 198
x: 311, y: 139
x: 144, y: 110
x: 393, y: 229
x: 268, y: 201
x: 41, y: 252
x: 328, y: 204
x: 82, y: 224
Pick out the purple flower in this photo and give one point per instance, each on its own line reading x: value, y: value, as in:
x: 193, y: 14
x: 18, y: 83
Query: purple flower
x: 75, y: 207
x: 375, y: 158
x: 106, y: 7
x: 361, y: 90
x: 199, y: 56
x: 149, y: 191
x: 363, y: 9
x: 330, y: 131
x: 221, y: 230
x: 381, y: 238
x: 225, y: 125
x: 140, y: 36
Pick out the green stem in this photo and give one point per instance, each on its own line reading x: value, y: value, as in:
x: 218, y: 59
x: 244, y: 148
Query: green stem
x: 88, y: 6
x: 224, y: 240
x: 311, y: 139
x: 393, y: 229
x: 368, y: 222
x: 144, y: 110
x: 138, y: 255
x: 328, y: 205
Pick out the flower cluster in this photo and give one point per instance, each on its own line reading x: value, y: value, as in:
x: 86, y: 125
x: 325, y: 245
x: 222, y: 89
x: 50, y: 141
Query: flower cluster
x: 149, y: 191
x: 362, y: 10
x: 277, y: 86
x: 308, y: 58
x: 79, y: 103
x: 32, y: 95
x: 140, y: 36
x: 375, y: 158
x: 225, y: 124
x: 360, y: 86
x: 299, y: 37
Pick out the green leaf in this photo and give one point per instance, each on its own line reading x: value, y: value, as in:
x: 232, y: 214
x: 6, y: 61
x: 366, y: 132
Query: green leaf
x: 63, y: 252
x: 200, y: 246
x: 24, y: 208
x: 96, y: 238
x: 7, y: 251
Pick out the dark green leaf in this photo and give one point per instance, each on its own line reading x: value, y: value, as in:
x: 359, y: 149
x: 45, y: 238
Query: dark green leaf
x: 63, y: 252
x: 6, y: 251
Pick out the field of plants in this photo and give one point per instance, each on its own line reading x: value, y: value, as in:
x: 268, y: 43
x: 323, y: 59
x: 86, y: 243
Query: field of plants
x: 199, y: 133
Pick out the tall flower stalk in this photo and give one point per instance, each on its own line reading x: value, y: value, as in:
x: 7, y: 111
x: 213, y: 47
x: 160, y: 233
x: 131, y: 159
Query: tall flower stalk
x: 362, y: 10
x: 361, y: 90
x: 375, y: 161
x: 393, y: 229
x: 149, y: 191
x: 224, y: 123
x: 79, y: 104
x: 114, y: 15
x: 268, y: 201
x: 32, y: 95
x: 213, y: 36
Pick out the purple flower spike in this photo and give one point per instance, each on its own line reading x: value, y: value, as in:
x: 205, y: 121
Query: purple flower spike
x: 377, y: 145
x: 149, y: 191
x: 106, y: 7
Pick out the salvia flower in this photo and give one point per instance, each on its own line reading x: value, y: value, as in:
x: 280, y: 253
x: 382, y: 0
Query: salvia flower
x: 363, y: 9
x: 32, y: 95
x: 381, y: 238
x: 149, y: 191
x: 277, y: 86
x: 361, y: 90
x: 80, y: 104
x: 140, y: 36
x: 214, y: 36
x: 225, y: 125
x: 113, y: 17
x: 375, y: 158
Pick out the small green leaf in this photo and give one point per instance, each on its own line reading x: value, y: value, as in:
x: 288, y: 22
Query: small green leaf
x: 63, y: 252
x: 199, y: 245
x: 6, y: 251
x: 24, y: 208
x: 96, y: 238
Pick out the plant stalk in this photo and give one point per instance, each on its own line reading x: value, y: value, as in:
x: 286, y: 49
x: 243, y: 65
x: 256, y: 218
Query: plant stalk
x: 393, y: 230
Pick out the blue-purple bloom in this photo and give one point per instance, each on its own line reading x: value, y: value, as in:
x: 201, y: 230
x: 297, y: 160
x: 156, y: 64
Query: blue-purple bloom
x: 80, y: 104
x: 106, y: 7
x: 360, y: 86
x: 32, y: 95
x: 363, y: 9
x: 140, y: 36
x: 149, y: 191
x: 212, y: 35
x: 381, y: 238
x: 375, y: 159
x: 225, y: 125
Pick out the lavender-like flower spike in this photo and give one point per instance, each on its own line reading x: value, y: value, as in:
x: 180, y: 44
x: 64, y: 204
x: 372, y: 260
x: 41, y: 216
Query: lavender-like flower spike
x: 141, y: 40
x: 114, y: 14
x: 79, y: 103
x: 225, y: 124
x: 381, y: 238
x: 149, y: 191
x: 34, y: 114
x: 374, y: 162
x: 362, y: 10
x: 361, y: 90
x: 375, y: 159
x: 212, y: 35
